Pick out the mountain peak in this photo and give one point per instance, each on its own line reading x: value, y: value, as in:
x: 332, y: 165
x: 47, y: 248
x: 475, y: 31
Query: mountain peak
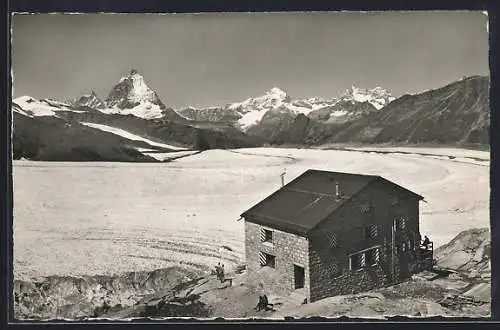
x: 89, y: 100
x: 276, y: 91
x: 133, y: 74
x: 132, y: 90
x: 132, y: 96
x: 378, y: 96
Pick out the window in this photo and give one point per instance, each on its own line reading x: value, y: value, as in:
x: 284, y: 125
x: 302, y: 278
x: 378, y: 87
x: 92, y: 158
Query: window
x: 394, y: 200
x: 266, y: 235
x: 357, y: 261
x: 365, y: 258
x: 401, y: 223
x: 299, y: 276
x: 371, y: 231
x: 372, y: 257
x: 267, y: 260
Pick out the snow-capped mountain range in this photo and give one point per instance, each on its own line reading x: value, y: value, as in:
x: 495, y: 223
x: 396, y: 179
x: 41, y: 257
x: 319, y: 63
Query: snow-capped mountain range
x: 132, y: 122
x: 132, y: 96
x: 252, y: 111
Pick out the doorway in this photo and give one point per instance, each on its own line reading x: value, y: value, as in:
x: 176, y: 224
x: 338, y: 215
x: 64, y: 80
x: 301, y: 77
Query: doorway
x: 299, y: 276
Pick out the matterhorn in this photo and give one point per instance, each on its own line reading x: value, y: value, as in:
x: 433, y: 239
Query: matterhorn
x: 131, y: 95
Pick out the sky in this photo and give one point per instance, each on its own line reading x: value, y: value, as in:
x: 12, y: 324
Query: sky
x: 218, y: 58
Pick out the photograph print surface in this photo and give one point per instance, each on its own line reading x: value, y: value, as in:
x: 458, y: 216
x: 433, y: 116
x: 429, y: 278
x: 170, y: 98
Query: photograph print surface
x: 250, y: 165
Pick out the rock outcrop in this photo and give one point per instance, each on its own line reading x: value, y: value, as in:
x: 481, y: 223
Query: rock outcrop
x: 469, y: 253
x: 59, y: 297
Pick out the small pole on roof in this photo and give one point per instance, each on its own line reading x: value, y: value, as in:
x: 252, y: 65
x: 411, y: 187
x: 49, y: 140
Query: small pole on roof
x: 282, y: 175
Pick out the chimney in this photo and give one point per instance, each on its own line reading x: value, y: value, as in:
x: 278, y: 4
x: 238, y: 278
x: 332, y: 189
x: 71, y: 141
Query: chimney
x: 337, y: 190
x: 283, y: 178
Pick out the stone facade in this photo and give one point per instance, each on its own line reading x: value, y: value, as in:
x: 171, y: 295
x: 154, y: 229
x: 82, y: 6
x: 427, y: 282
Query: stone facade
x: 349, y: 283
x: 288, y: 248
x: 329, y: 265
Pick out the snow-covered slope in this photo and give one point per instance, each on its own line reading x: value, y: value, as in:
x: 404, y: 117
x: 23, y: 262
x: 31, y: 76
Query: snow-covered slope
x: 146, y: 110
x: 29, y: 106
x: 130, y: 136
x: 56, y: 103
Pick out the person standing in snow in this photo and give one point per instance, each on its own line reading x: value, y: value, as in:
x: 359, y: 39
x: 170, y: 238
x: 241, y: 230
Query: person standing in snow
x: 222, y: 273
x: 218, y: 271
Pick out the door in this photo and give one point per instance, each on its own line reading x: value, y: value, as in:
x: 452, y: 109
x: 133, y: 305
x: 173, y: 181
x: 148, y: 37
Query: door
x: 400, y: 253
x: 299, y: 275
x: 404, y: 260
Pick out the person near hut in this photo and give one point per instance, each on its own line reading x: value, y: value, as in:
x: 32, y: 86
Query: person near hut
x: 263, y: 303
x: 221, y: 277
x: 426, y: 242
x: 218, y: 269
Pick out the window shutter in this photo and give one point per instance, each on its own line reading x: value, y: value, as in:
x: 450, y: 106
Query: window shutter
x: 362, y: 259
x: 262, y: 234
x: 402, y: 223
x: 376, y: 253
x: 262, y: 259
x: 372, y: 256
x: 332, y: 240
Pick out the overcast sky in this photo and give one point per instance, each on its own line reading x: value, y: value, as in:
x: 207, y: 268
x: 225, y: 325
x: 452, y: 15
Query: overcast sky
x: 213, y: 59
